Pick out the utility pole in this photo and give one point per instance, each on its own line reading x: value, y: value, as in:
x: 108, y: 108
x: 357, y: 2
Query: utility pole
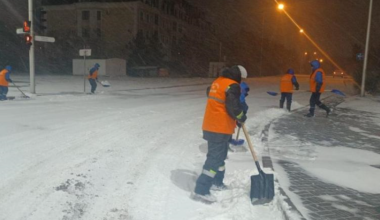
x: 31, y: 50
x: 366, y: 48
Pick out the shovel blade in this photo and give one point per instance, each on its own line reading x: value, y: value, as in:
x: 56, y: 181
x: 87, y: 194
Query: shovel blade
x: 338, y: 92
x: 237, y: 142
x: 272, y: 93
x: 262, y: 188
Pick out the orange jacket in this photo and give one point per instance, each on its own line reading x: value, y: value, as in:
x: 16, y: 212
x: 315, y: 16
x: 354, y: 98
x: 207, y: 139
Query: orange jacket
x: 94, y: 75
x: 216, y: 118
x: 286, y: 84
x: 313, y: 83
x: 3, y: 81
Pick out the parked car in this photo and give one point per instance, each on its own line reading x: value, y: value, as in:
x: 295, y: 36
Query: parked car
x: 339, y: 73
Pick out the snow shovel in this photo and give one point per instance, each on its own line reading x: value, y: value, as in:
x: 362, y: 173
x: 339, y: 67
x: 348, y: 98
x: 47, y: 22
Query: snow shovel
x: 237, y: 143
x: 104, y: 83
x: 335, y: 91
x: 24, y: 96
x: 262, y: 185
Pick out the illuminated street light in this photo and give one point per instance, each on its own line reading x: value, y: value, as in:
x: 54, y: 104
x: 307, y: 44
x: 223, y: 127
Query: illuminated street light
x: 321, y: 60
x: 301, y: 30
x: 305, y: 53
x: 315, y: 53
x: 281, y: 6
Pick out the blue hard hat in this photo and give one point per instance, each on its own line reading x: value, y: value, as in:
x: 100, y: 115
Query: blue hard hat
x: 290, y: 71
x: 315, y: 64
x: 9, y: 68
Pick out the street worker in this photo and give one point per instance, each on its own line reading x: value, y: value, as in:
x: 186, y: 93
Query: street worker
x: 317, y: 87
x: 286, y: 87
x: 223, y: 109
x: 4, y: 82
x: 93, y: 77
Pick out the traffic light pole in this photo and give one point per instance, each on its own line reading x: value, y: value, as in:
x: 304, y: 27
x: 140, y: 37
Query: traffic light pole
x: 362, y: 92
x: 31, y: 50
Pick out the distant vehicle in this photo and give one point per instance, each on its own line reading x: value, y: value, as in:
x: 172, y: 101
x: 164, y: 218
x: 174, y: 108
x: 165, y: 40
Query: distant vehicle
x: 339, y: 73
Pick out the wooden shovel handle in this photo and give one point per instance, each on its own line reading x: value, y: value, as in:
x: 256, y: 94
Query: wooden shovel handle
x: 237, y: 135
x: 249, y: 143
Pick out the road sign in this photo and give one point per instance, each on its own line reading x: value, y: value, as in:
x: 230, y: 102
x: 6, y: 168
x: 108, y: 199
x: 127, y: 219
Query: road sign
x: 20, y: 31
x: 44, y: 39
x: 85, y: 52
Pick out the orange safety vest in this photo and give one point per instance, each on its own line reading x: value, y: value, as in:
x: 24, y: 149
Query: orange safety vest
x: 313, y: 83
x: 94, y: 75
x: 216, y: 118
x: 3, y: 81
x: 286, y: 84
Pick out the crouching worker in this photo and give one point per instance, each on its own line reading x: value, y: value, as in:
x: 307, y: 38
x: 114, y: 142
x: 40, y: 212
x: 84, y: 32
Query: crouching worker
x: 4, y: 82
x: 223, y: 109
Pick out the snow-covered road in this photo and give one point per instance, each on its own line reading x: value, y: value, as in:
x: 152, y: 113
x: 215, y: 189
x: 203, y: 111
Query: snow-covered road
x: 133, y: 151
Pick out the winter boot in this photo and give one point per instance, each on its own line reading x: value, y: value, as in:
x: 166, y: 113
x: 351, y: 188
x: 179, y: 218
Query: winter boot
x: 327, y: 109
x: 206, y: 199
x: 220, y: 187
x: 311, y: 113
x: 288, y: 105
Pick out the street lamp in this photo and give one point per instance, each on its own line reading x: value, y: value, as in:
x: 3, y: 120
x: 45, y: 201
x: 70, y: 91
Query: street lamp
x: 366, y: 47
x: 281, y: 6
x: 301, y: 31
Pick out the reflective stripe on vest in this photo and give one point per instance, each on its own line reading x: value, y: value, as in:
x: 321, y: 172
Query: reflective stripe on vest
x: 216, y: 118
x: 313, y: 83
x: 3, y: 81
x: 286, y: 84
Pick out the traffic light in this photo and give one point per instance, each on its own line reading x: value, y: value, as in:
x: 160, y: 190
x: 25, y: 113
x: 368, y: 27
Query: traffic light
x: 41, y: 19
x: 28, y: 39
x: 26, y: 26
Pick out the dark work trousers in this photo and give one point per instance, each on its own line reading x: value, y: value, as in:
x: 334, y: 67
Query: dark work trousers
x: 93, y: 85
x: 288, y: 96
x: 3, y: 92
x: 213, y: 169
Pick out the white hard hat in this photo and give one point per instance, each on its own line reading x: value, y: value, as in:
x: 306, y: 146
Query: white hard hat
x: 243, y: 71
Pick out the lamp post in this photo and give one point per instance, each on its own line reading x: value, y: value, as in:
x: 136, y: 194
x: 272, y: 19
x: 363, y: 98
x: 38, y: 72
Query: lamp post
x: 366, y: 47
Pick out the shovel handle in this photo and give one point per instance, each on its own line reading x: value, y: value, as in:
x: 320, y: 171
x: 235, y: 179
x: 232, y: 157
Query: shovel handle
x: 249, y: 142
x: 251, y: 149
x: 19, y: 89
x: 237, y: 135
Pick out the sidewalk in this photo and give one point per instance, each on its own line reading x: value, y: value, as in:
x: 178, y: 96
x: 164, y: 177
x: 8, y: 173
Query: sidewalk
x: 332, y: 164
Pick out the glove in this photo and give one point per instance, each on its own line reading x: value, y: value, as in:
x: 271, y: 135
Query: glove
x: 242, y: 119
x: 238, y: 124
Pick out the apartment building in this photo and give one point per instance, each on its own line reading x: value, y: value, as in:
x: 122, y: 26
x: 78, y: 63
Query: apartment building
x: 111, y: 26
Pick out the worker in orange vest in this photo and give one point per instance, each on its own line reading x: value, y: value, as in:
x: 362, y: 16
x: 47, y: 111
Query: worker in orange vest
x: 317, y: 87
x: 286, y: 87
x: 4, y: 82
x: 223, y: 111
x: 93, y: 77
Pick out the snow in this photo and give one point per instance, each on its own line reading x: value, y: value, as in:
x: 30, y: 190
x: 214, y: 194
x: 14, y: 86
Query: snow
x: 135, y: 149
x: 132, y: 151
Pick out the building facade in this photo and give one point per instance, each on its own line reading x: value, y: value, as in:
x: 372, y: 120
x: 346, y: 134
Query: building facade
x: 109, y: 27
